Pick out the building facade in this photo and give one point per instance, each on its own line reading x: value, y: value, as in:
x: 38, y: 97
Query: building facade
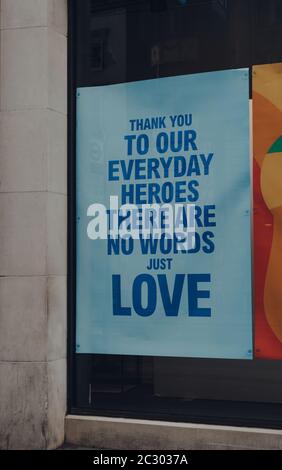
x: 33, y: 222
x: 80, y: 360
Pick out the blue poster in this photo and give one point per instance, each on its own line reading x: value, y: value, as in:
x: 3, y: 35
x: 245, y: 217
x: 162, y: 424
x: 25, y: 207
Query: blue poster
x: 163, y: 217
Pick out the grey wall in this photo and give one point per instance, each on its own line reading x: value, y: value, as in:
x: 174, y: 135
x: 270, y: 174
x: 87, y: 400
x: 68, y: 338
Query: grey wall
x: 33, y: 217
x: 111, y: 433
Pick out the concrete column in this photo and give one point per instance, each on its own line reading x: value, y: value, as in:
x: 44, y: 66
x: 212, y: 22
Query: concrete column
x: 33, y: 223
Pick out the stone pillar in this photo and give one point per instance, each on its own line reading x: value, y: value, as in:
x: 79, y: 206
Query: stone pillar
x: 33, y: 223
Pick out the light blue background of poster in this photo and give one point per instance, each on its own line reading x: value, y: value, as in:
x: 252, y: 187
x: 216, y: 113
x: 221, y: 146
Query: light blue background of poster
x: 219, y: 103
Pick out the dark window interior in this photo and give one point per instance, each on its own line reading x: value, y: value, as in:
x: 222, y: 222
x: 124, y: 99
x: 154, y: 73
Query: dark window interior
x: 118, y: 41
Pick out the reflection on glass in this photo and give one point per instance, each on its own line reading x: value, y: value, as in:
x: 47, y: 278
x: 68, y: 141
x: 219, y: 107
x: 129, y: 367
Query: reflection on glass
x: 120, y: 41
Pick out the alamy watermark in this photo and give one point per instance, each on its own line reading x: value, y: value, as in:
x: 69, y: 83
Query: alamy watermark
x: 148, y: 221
